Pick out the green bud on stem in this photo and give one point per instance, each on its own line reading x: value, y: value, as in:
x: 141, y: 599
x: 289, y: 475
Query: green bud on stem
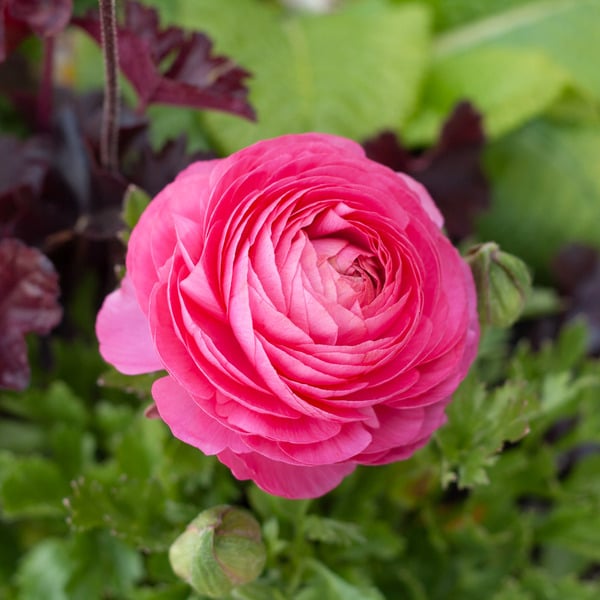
x: 221, y: 549
x: 503, y: 284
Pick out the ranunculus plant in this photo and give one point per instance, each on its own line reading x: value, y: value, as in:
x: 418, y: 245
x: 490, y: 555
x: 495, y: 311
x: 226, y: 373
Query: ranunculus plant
x: 309, y: 312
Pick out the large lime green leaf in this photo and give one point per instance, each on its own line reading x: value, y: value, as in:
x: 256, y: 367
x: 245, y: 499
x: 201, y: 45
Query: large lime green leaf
x: 348, y: 73
x: 546, y: 190
x: 451, y: 13
x: 513, y: 66
x: 566, y: 30
x: 508, y: 86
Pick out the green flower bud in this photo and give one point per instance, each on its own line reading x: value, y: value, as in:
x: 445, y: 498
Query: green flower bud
x: 221, y: 549
x: 503, y: 284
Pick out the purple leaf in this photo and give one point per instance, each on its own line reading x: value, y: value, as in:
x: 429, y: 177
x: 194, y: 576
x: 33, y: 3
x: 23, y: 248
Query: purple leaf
x: 28, y: 303
x: 155, y: 169
x: 450, y: 170
x: 19, y: 18
x: 577, y: 270
x: 194, y: 77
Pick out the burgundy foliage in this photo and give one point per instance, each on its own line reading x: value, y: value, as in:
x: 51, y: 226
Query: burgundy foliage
x: 577, y: 271
x: 28, y: 303
x: 451, y: 170
x: 154, y: 169
x: 172, y: 66
x: 19, y: 18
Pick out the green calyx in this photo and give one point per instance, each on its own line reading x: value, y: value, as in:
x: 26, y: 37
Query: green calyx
x: 221, y: 549
x: 503, y: 283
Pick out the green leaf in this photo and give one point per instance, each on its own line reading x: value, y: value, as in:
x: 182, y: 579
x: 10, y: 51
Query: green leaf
x: 44, y: 571
x: 546, y: 190
x: 102, y: 566
x: 57, y: 403
x: 21, y: 437
x: 575, y: 526
x: 450, y: 14
x: 33, y: 487
x: 176, y: 591
x: 134, y: 510
x: 508, y: 86
x: 565, y: 30
x: 479, y: 423
x: 141, y: 449
x: 140, y: 385
x: 349, y: 73
x: 329, y: 586
x: 72, y: 449
x: 332, y: 531
x: 134, y: 203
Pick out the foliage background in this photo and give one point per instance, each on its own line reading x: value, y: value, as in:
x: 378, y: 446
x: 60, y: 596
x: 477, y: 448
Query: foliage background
x: 505, y: 501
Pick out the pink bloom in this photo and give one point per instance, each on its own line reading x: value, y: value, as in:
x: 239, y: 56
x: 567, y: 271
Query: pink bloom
x: 309, y: 312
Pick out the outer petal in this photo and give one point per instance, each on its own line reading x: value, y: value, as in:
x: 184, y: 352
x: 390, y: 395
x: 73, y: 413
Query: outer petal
x: 424, y: 198
x: 189, y: 422
x: 124, y: 333
x: 281, y: 479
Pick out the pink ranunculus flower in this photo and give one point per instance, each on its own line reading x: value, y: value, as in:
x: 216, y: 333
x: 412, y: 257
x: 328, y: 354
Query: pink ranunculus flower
x: 309, y: 312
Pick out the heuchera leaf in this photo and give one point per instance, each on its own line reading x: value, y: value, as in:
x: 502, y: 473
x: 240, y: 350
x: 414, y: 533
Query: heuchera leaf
x: 193, y: 76
x: 154, y: 169
x: 450, y: 170
x: 577, y: 269
x: 19, y: 18
x: 28, y: 303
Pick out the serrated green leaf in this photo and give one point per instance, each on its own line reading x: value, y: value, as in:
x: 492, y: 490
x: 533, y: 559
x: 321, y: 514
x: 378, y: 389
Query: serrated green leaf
x: 177, y: 591
x: 329, y: 586
x: 479, y: 423
x: 332, y: 531
x: 72, y: 449
x: 140, y: 385
x: 140, y: 450
x: 543, y: 584
x: 345, y: 73
x: 575, y: 526
x: 102, y: 566
x: 287, y: 510
x: 134, y: 203
x: 33, y: 487
x: 544, y: 183
x: 57, y: 403
x: 508, y: 86
x: 20, y: 437
x: 132, y: 509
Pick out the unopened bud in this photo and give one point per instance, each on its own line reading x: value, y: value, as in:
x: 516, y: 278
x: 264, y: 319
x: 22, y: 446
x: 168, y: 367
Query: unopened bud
x: 221, y: 549
x: 503, y: 284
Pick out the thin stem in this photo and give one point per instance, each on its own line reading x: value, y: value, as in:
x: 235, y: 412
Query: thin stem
x: 109, y: 151
x: 46, y: 89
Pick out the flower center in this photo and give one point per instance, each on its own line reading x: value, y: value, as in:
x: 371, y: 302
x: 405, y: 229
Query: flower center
x: 361, y: 281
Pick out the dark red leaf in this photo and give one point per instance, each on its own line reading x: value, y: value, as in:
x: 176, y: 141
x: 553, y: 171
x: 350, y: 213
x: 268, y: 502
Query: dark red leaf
x: 28, y: 304
x: 19, y: 18
x: 155, y: 169
x: 44, y: 17
x: 192, y: 76
x: 23, y: 169
x: 577, y: 270
x: 450, y: 170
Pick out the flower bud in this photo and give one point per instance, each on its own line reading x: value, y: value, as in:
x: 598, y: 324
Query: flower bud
x: 221, y: 549
x: 503, y: 284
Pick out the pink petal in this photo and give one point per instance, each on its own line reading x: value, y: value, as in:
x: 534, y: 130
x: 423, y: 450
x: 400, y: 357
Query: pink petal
x: 189, y: 422
x: 124, y: 333
x: 281, y: 479
x: 424, y: 198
